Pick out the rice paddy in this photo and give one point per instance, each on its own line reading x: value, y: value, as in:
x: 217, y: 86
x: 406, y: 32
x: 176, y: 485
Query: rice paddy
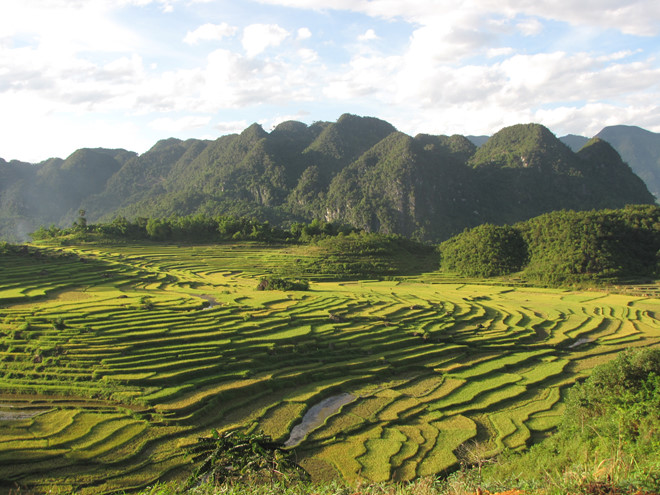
x: 115, y: 359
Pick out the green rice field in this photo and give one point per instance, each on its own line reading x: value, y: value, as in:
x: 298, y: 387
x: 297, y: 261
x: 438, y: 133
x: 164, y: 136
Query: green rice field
x: 115, y: 359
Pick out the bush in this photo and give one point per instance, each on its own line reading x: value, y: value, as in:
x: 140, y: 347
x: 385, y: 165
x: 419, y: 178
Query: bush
x: 274, y: 283
x: 238, y: 457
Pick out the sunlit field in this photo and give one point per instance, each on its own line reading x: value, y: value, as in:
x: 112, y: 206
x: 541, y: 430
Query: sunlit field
x: 115, y: 359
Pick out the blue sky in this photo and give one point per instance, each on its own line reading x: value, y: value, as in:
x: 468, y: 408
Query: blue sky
x: 126, y: 73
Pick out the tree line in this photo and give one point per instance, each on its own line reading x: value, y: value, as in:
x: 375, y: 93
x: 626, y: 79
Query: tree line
x: 192, y: 228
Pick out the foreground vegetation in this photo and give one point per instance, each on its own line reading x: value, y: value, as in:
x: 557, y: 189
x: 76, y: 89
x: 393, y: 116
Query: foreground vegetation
x: 118, y: 357
x: 608, y: 441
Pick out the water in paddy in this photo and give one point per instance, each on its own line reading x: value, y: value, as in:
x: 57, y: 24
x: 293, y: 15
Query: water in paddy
x: 316, y: 415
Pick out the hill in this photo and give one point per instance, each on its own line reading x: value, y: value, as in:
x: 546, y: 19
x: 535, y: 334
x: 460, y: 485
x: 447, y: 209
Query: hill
x: 640, y: 148
x: 358, y: 170
x: 562, y: 247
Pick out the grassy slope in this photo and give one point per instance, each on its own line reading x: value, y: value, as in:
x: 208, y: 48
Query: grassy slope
x: 111, y: 370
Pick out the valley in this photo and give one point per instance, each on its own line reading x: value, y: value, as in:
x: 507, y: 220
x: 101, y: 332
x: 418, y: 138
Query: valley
x: 117, y: 357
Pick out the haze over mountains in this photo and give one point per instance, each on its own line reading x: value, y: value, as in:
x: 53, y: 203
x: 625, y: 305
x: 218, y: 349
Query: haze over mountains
x: 358, y: 170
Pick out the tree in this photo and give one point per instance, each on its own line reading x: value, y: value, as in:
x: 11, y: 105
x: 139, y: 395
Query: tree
x: 158, y: 229
x: 81, y: 223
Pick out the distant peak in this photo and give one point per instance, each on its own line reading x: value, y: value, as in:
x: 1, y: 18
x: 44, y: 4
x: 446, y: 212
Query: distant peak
x: 625, y: 129
x: 600, y: 150
x: 524, y: 146
x: 351, y: 119
x: 290, y: 126
x: 164, y: 143
x: 255, y: 131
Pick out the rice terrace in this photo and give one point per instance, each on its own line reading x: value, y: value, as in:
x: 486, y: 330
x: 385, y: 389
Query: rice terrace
x: 116, y: 358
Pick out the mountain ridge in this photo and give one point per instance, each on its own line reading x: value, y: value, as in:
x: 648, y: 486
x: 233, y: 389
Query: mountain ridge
x: 358, y: 170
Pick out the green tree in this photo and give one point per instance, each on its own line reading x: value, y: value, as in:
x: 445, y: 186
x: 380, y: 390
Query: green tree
x: 158, y: 229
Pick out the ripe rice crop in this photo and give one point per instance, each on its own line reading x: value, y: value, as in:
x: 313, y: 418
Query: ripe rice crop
x: 125, y: 363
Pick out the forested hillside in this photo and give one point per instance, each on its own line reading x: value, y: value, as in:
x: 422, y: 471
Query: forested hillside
x: 562, y: 247
x: 358, y: 170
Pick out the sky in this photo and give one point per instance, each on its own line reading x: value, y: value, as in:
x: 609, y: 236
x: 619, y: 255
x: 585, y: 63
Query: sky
x: 127, y: 73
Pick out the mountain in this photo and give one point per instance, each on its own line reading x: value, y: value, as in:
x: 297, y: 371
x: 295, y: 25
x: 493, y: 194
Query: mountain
x: 640, y: 149
x: 357, y: 170
x: 52, y: 192
x: 525, y: 146
x: 478, y: 140
x: 404, y: 185
x: 574, y: 141
x: 524, y: 171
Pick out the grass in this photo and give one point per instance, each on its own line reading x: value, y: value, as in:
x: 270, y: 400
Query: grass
x: 427, y: 359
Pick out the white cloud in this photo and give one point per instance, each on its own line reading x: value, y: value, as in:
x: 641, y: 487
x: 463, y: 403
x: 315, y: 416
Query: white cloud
x: 231, y: 127
x: 60, y: 131
x: 368, y: 35
x: 304, y: 33
x: 485, y: 97
x: 365, y: 77
x: 209, y: 32
x: 63, y: 27
x: 308, y: 55
x: 530, y: 27
x: 258, y: 37
x: 589, y: 119
x: 499, y: 52
x: 178, y: 125
x: 638, y: 17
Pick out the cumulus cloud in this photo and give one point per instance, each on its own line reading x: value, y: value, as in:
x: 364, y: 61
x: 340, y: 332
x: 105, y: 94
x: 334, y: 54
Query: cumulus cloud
x: 304, y: 33
x: 368, y: 35
x: 364, y: 77
x: 258, y: 37
x: 209, y: 32
x: 478, y: 98
x: 308, y: 55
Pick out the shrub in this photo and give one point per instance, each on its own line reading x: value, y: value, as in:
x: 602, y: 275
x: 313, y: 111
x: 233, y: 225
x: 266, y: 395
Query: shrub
x: 275, y: 283
x: 239, y: 457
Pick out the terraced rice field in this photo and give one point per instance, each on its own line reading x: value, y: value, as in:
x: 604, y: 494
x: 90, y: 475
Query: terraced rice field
x: 113, y: 365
